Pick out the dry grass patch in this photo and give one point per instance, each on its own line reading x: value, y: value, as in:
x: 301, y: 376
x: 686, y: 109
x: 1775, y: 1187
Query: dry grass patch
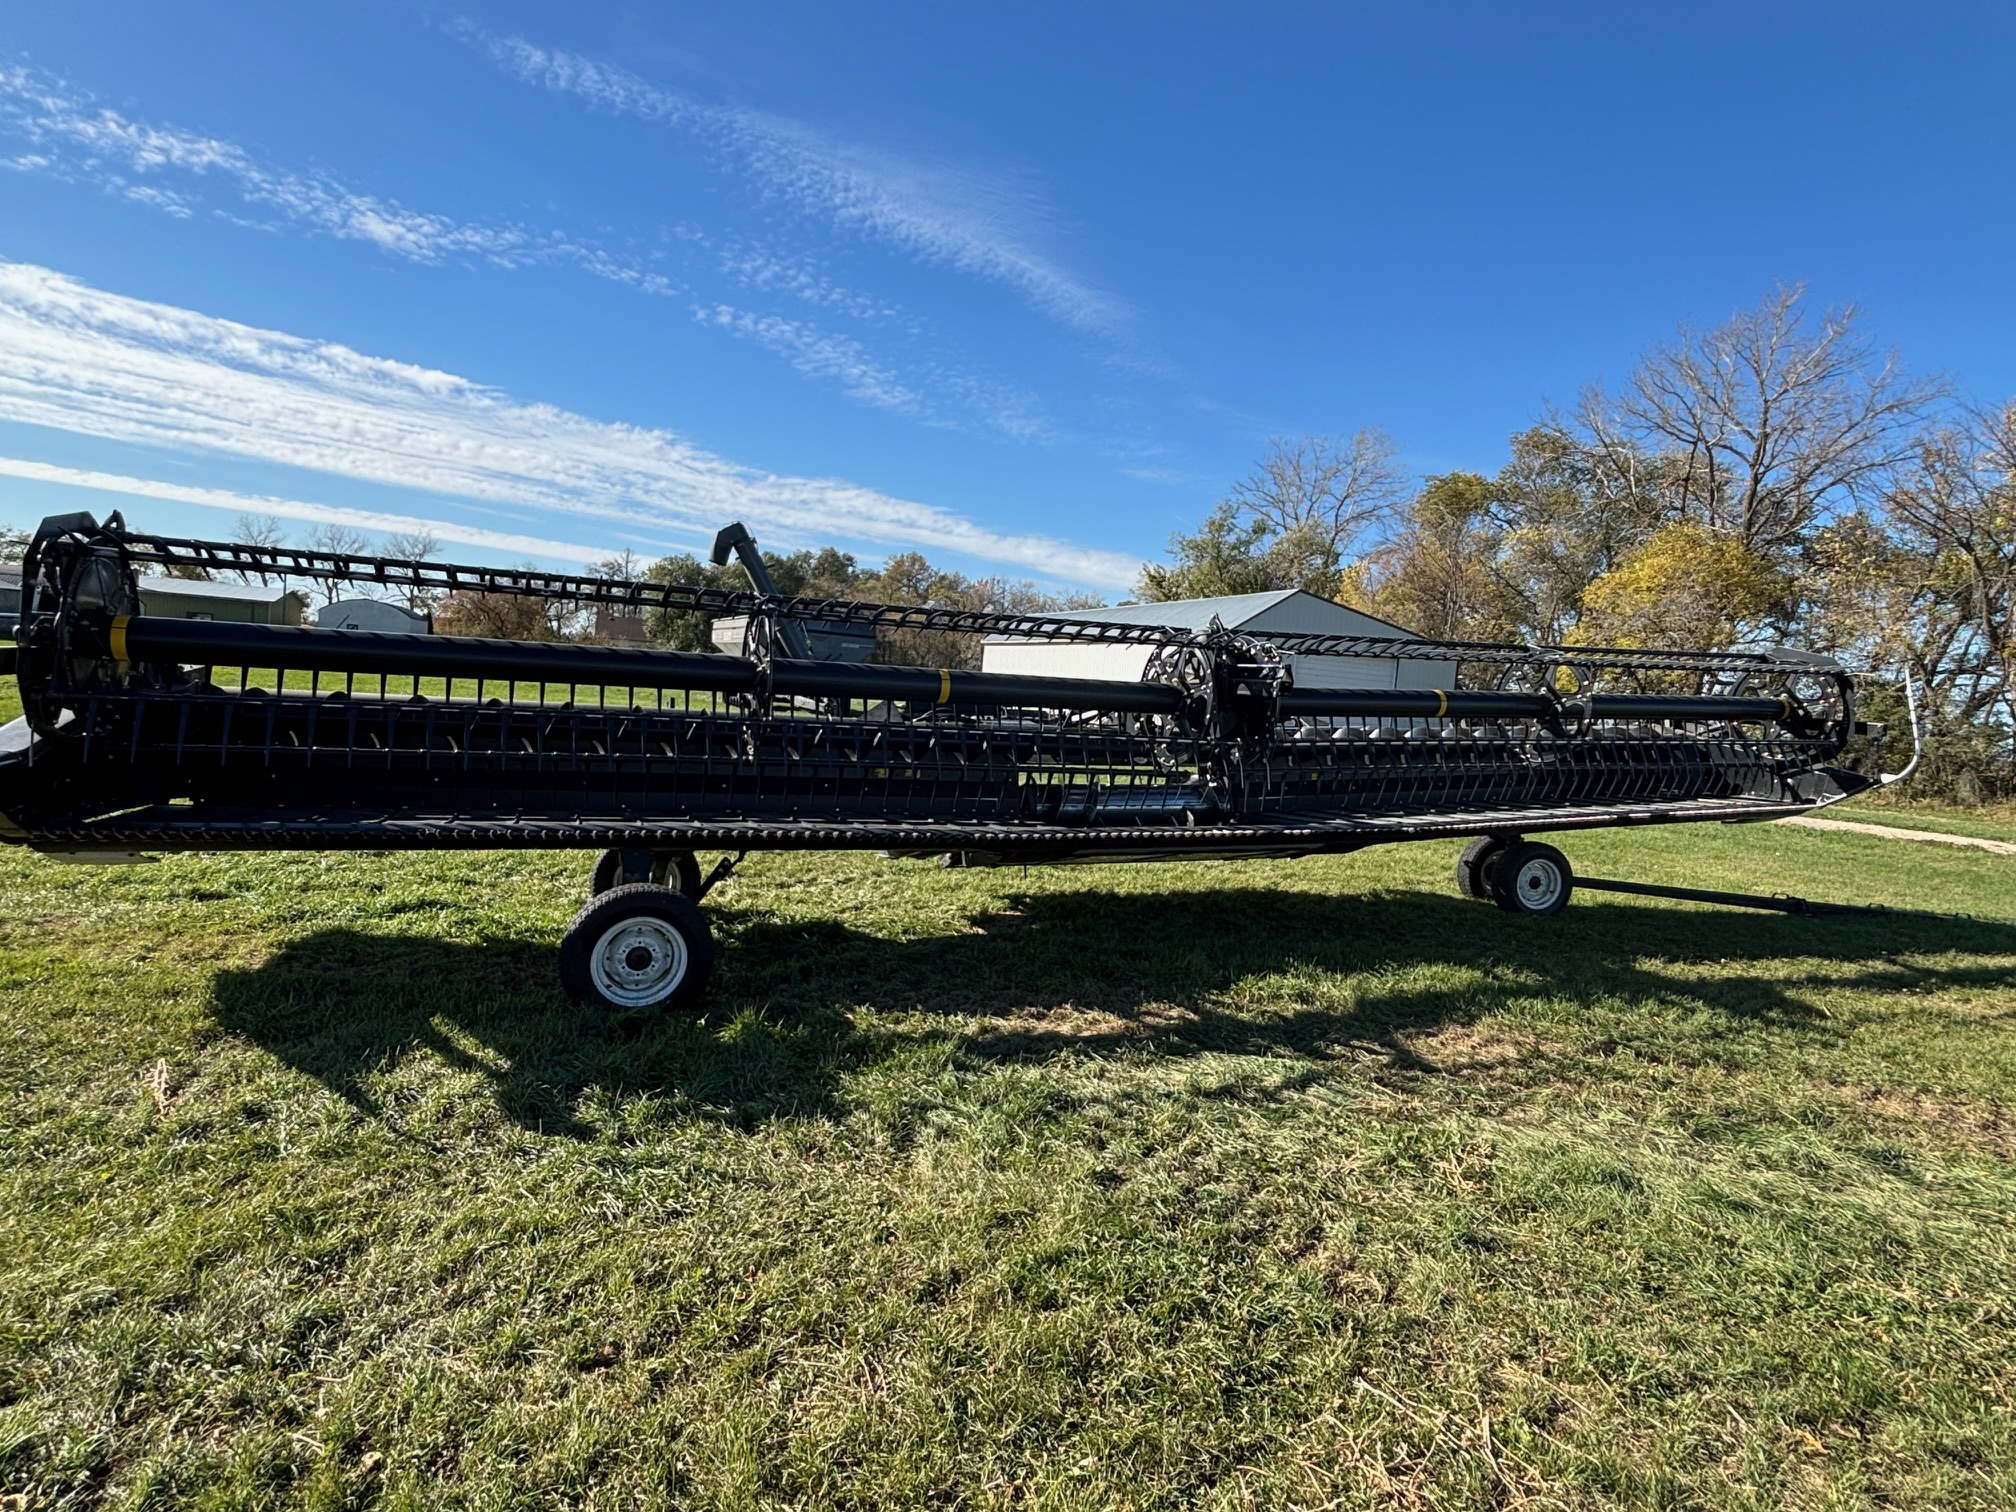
x: 1986, y: 1126
x: 1473, y: 1049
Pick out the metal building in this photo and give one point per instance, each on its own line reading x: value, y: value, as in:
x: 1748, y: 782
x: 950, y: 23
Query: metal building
x: 1287, y: 611
x: 372, y: 614
x: 233, y: 603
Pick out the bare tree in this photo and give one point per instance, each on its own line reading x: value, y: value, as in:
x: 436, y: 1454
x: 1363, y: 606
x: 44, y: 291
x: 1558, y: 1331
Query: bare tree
x: 1760, y: 426
x: 412, y: 545
x: 415, y: 546
x: 620, y: 623
x: 262, y: 531
x: 258, y: 530
x: 625, y: 567
x: 1332, y: 490
x: 1955, y: 506
x: 1295, y: 522
x: 337, y: 540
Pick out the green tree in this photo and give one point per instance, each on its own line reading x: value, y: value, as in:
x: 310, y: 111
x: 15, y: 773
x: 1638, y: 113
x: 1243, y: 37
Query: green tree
x: 674, y: 629
x: 1563, y: 525
x: 1441, y: 574
x: 1507, y: 556
x: 1687, y: 586
x: 1225, y: 555
x: 908, y: 578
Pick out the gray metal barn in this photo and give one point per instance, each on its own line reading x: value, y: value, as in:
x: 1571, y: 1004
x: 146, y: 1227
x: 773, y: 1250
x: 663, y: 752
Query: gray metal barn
x: 1288, y: 611
x: 372, y: 614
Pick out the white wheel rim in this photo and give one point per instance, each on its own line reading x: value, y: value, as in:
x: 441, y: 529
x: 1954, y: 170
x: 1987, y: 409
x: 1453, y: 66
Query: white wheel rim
x: 638, y: 962
x: 1538, y: 885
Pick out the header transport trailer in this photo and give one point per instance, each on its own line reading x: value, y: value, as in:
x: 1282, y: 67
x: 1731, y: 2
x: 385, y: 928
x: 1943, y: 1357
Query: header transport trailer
x: 145, y: 733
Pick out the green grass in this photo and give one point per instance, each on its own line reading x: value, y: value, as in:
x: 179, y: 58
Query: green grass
x: 1264, y: 1184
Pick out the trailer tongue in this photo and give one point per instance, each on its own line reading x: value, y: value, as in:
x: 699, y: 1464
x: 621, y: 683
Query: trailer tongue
x: 144, y: 733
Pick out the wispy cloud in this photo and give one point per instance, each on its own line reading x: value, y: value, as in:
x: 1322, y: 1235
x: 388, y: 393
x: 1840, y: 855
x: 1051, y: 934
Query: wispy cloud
x: 938, y: 212
x: 818, y: 354
x: 137, y: 160
x: 297, y: 509
x: 91, y: 363
x: 1174, y: 477
x: 85, y: 141
x: 164, y: 200
x: 767, y: 271
x: 947, y: 397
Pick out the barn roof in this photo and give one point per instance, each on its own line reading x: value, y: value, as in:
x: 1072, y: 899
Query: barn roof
x: 244, y: 593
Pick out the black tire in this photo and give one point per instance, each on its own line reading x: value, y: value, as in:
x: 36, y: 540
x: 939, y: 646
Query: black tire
x: 1473, y: 868
x: 637, y: 948
x: 678, y: 870
x: 1531, y: 878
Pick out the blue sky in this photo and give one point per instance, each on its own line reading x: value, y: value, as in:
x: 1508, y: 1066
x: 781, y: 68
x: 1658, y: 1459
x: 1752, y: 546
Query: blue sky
x: 1021, y: 287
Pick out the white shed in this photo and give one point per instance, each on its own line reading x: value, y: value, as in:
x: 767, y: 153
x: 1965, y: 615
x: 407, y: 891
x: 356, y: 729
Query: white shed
x: 1287, y: 611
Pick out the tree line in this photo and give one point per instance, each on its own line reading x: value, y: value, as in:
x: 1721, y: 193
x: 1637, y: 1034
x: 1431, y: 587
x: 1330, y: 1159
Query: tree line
x: 906, y: 578
x: 1778, y: 478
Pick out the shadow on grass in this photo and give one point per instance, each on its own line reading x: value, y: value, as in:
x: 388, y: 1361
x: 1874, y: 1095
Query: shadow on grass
x: 344, y: 1005
x: 1087, y: 972
x: 1128, y: 958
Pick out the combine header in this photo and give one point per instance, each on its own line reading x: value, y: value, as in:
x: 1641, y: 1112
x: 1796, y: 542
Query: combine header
x: 144, y: 734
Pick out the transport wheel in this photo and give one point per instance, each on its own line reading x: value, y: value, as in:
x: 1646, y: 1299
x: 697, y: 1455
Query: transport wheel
x: 1531, y: 878
x: 678, y: 870
x: 1473, y: 868
x: 637, y: 948
x: 608, y: 873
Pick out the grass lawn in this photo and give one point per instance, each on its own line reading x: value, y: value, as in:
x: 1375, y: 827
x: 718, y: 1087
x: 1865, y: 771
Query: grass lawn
x: 1267, y: 1184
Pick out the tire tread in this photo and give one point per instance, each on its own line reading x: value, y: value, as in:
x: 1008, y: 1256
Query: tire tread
x: 603, y: 911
